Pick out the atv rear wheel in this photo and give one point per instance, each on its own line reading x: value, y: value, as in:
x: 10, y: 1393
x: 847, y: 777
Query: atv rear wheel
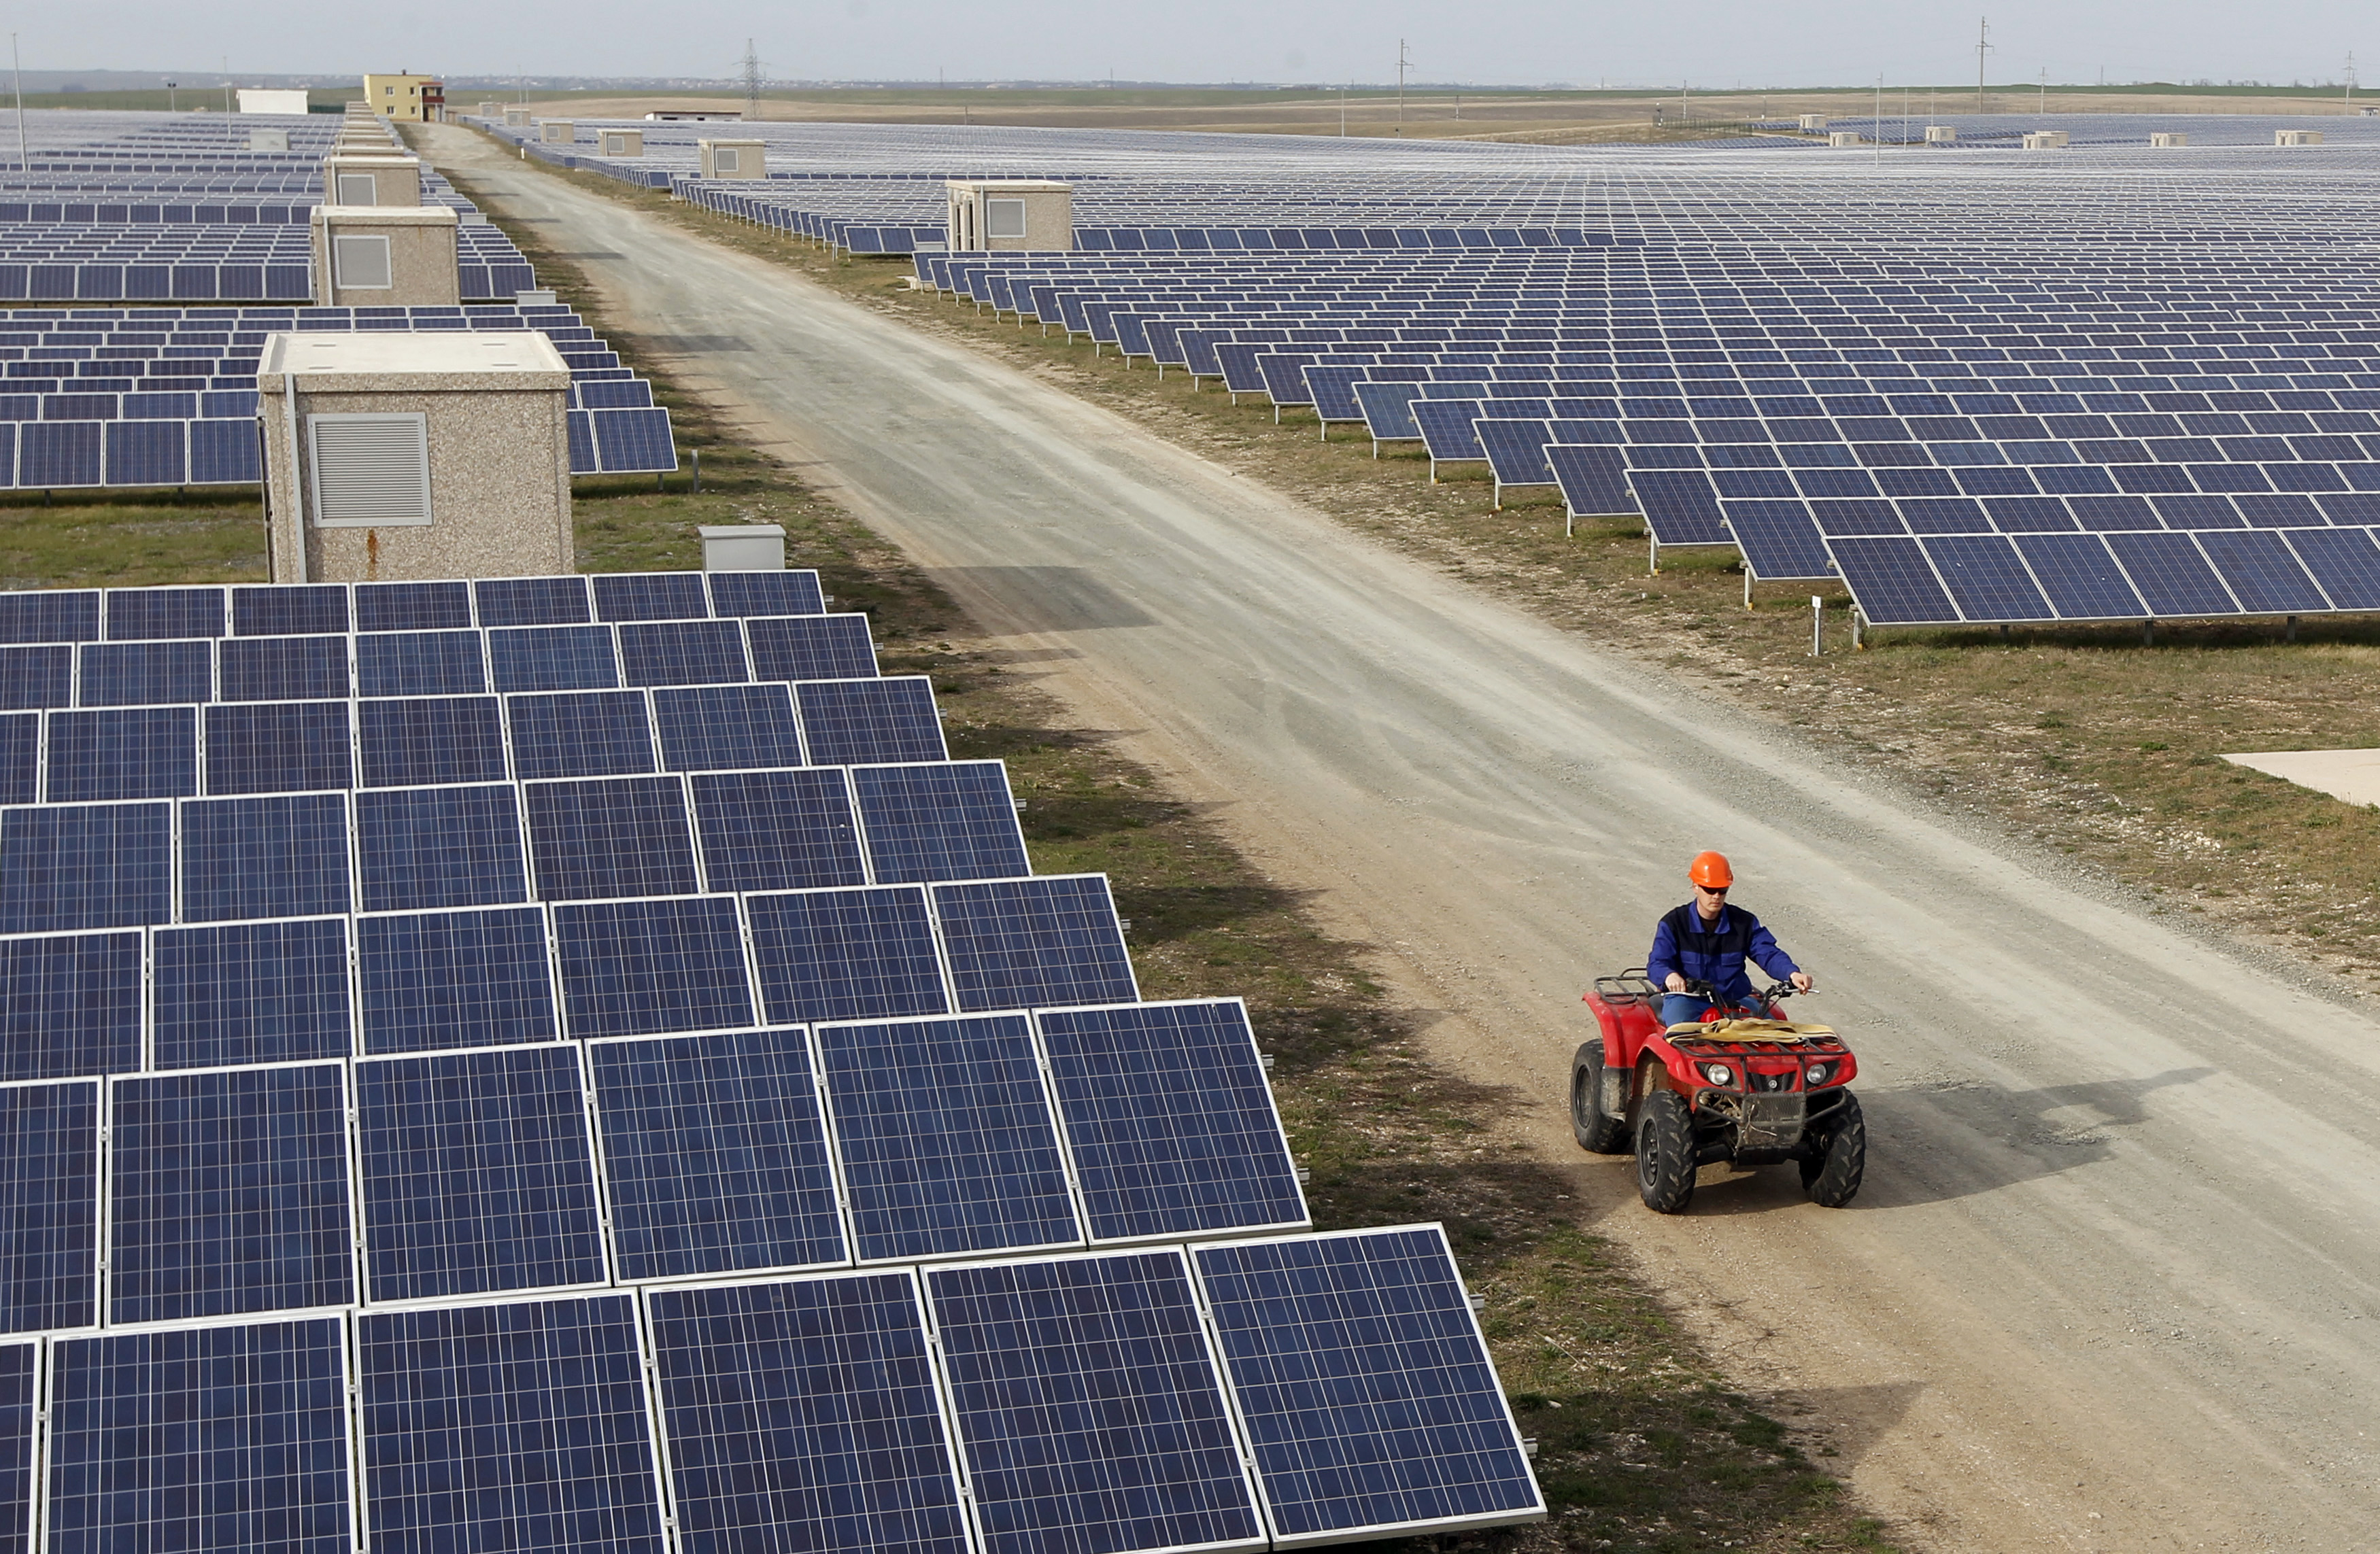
x: 1832, y: 1174
x: 1597, y: 1134
x: 1665, y: 1153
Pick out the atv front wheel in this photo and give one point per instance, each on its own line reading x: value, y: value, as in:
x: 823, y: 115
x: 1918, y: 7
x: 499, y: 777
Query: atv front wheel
x: 1597, y: 1134
x: 1832, y: 1174
x: 1665, y: 1153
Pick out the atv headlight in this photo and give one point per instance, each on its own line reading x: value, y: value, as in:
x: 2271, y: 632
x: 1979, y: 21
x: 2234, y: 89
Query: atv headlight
x: 1815, y: 1075
x: 1718, y: 1073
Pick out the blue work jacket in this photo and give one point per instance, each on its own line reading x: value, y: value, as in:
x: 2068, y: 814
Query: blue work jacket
x: 1715, y: 953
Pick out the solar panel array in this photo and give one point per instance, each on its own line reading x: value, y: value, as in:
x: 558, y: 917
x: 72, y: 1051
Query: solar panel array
x: 661, y: 1109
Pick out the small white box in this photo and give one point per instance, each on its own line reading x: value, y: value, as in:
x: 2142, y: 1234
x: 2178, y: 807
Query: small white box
x: 2167, y: 139
x: 743, y: 547
x: 1941, y: 134
x: 1843, y: 137
x: 1814, y: 124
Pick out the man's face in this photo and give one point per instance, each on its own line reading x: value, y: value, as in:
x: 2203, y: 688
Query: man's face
x: 1708, y: 901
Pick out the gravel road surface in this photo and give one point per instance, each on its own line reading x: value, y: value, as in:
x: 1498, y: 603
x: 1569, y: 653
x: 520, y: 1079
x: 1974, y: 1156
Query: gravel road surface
x: 2113, y: 1284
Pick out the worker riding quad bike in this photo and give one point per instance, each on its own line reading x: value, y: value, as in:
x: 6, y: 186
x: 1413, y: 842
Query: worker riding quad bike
x: 1742, y: 1084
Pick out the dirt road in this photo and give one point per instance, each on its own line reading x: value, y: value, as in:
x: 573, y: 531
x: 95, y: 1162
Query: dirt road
x: 2114, y: 1283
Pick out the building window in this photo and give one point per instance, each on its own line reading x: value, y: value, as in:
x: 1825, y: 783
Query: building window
x: 1003, y: 218
x: 360, y: 264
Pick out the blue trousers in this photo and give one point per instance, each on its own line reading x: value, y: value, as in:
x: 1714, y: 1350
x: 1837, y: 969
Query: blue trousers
x: 1678, y: 1009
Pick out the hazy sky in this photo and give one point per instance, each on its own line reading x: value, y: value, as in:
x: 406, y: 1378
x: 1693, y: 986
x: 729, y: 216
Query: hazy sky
x: 1518, y: 42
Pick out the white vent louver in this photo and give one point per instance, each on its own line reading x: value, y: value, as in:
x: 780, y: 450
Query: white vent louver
x: 369, y: 470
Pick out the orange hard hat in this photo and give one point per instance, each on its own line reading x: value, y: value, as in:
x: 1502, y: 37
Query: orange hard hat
x: 1710, y: 871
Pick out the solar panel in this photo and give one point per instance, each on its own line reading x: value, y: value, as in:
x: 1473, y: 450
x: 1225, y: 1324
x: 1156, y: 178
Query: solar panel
x: 619, y: 837
x: 1088, y: 1407
x: 250, y: 993
x: 585, y: 734
x: 147, y: 673
x: 1680, y: 505
x: 421, y: 664
x: 227, y: 1192
x: 248, y: 1427
x: 289, y: 610
x: 945, y: 1138
x: 644, y: 967
x: 847, y: 955
x: 650, y: 595
x: 726, y: 728
x: 96, y: 865
x: 777, y: 831
x: 571, y: 657
x: 20, y: 758
x: 477, y: 1173
x: 758, y: 593
x: 444, y: 606
x: 2171, y: 575
x: 122, y: 752
x: 448, y: 739
x: 953, y: 821
x: 145, y: 615
x: 284, y: 668
x: 2344, y: 561
x: 634, y: 440
x: 810, y: 647
x: 507, y: 601
x: 802, y: 1413
x: 682, y: 653
x: 854, y: 723
x: 1044, y: 942
x: 1987, y: 577
x: 278, y: 746
x: 49, y: 1236
x: 418, y: 848
x: 518, y: 1427
x: 2265, y: 577
x: 448, y: 980
x: 1169, y: 1120
x: 282, y: 857
x: 1893, y: 581
x: 714, y: 1155
x: 33, y: 677
x: 51, y: 616
x: 1363, y: 1385
x: 69, y: 1004
x: 1778, y: 539
x: 2080, y: 576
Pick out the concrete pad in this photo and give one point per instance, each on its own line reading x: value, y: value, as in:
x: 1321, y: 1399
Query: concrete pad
x: 2353, y: 775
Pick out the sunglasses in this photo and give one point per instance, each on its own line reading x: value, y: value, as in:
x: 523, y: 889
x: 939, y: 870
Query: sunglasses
x: 1712, y: 890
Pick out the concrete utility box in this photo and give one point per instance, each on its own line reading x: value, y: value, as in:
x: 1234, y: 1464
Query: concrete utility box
x: 733, y: 159
x: 516, y: 118
x: 557, y: 131
x: 1941, y: 134
x: 2045, y: 140
x: 1011, y: 213
x: 743, y: 547
x: 1843, y: 137
x: 621, y: 142
x: 363, y: 178
x: 2297, y: 136
x: 491, y: 109
x: 2167, y: 139
x: 370, y: 256
x: 268, y: 139
x: 1814, y: 124
x: 411, y: 456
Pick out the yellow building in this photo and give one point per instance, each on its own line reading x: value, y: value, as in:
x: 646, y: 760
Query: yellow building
x: 415, y: 99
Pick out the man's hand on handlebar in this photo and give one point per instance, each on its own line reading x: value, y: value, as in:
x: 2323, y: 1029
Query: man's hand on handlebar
x: 1677, y: 982
x: 1802, y: 983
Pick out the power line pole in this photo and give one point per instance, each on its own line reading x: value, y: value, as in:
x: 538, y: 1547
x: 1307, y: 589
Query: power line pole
x: 2045, y: 91
x: 17, y: 70
x: 751, y: 81
x: 2346, y: 104
x: 1404, y: 62
x: 1983, y: 47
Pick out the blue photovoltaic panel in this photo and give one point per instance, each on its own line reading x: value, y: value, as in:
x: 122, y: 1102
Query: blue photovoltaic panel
x: 1987, y: 577
x: 2172, y: 577
x: 413, y: 606
x: 49, y: 1223
x: 289, y: 610
x: 53, y: 615
x: 766, y: 593
x: 418, y: 848
x: 36, y: 676
x: 608, y: 837
x: 1088, y: 1407
x: 583, y: 734
x: 777, y: 831
x: 282, y: 856
x: 2265, y: 577
x: 1680, y: 505
x: 1594, y: 481
x: 853, y: 723
x: 726, y: 728
x: 811, y: 648
x: 227, y: 1193
x: 421, y: 664
x: 144, y: 614
x: 954, y: 821
x: 714, y: 1155
x: 226, y: 454
x: 531, y: 601
x: 284, y: 668
x: 122, y: 752
x: 2081, y: 578
x: 448, y: 979
x: 802, y: 1414
x: 1778, y: 539
x: 250, y: 993
x: 512, y: 1427
x: 846, y: 955
x: 279, y: 747
x: 1363, y: 1385
x: 682, y: 653
x: 650, y: 595
x: 634, y: 440
x: 477, y: 1173
x: 945, y: 1138
x: 2344, y: 561
x: 201, y: 1440
x: 561, y: 658
x: 643, y: 967
x: 147, y: 673
x: 20, y: 1411
x: 447, y: 739
x: 1045, y: 943
x: 98, y: 867
x: 1892, y: 581
x: 1169, y: 1120
x: 20, y: 758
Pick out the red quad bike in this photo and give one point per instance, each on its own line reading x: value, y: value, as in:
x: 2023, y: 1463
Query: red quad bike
x: 1751, y: 1087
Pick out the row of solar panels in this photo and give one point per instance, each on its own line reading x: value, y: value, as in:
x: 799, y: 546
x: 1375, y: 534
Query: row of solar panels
x: 227, y: 1192
x: 1283, y: 1392
x: 63, y: 276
